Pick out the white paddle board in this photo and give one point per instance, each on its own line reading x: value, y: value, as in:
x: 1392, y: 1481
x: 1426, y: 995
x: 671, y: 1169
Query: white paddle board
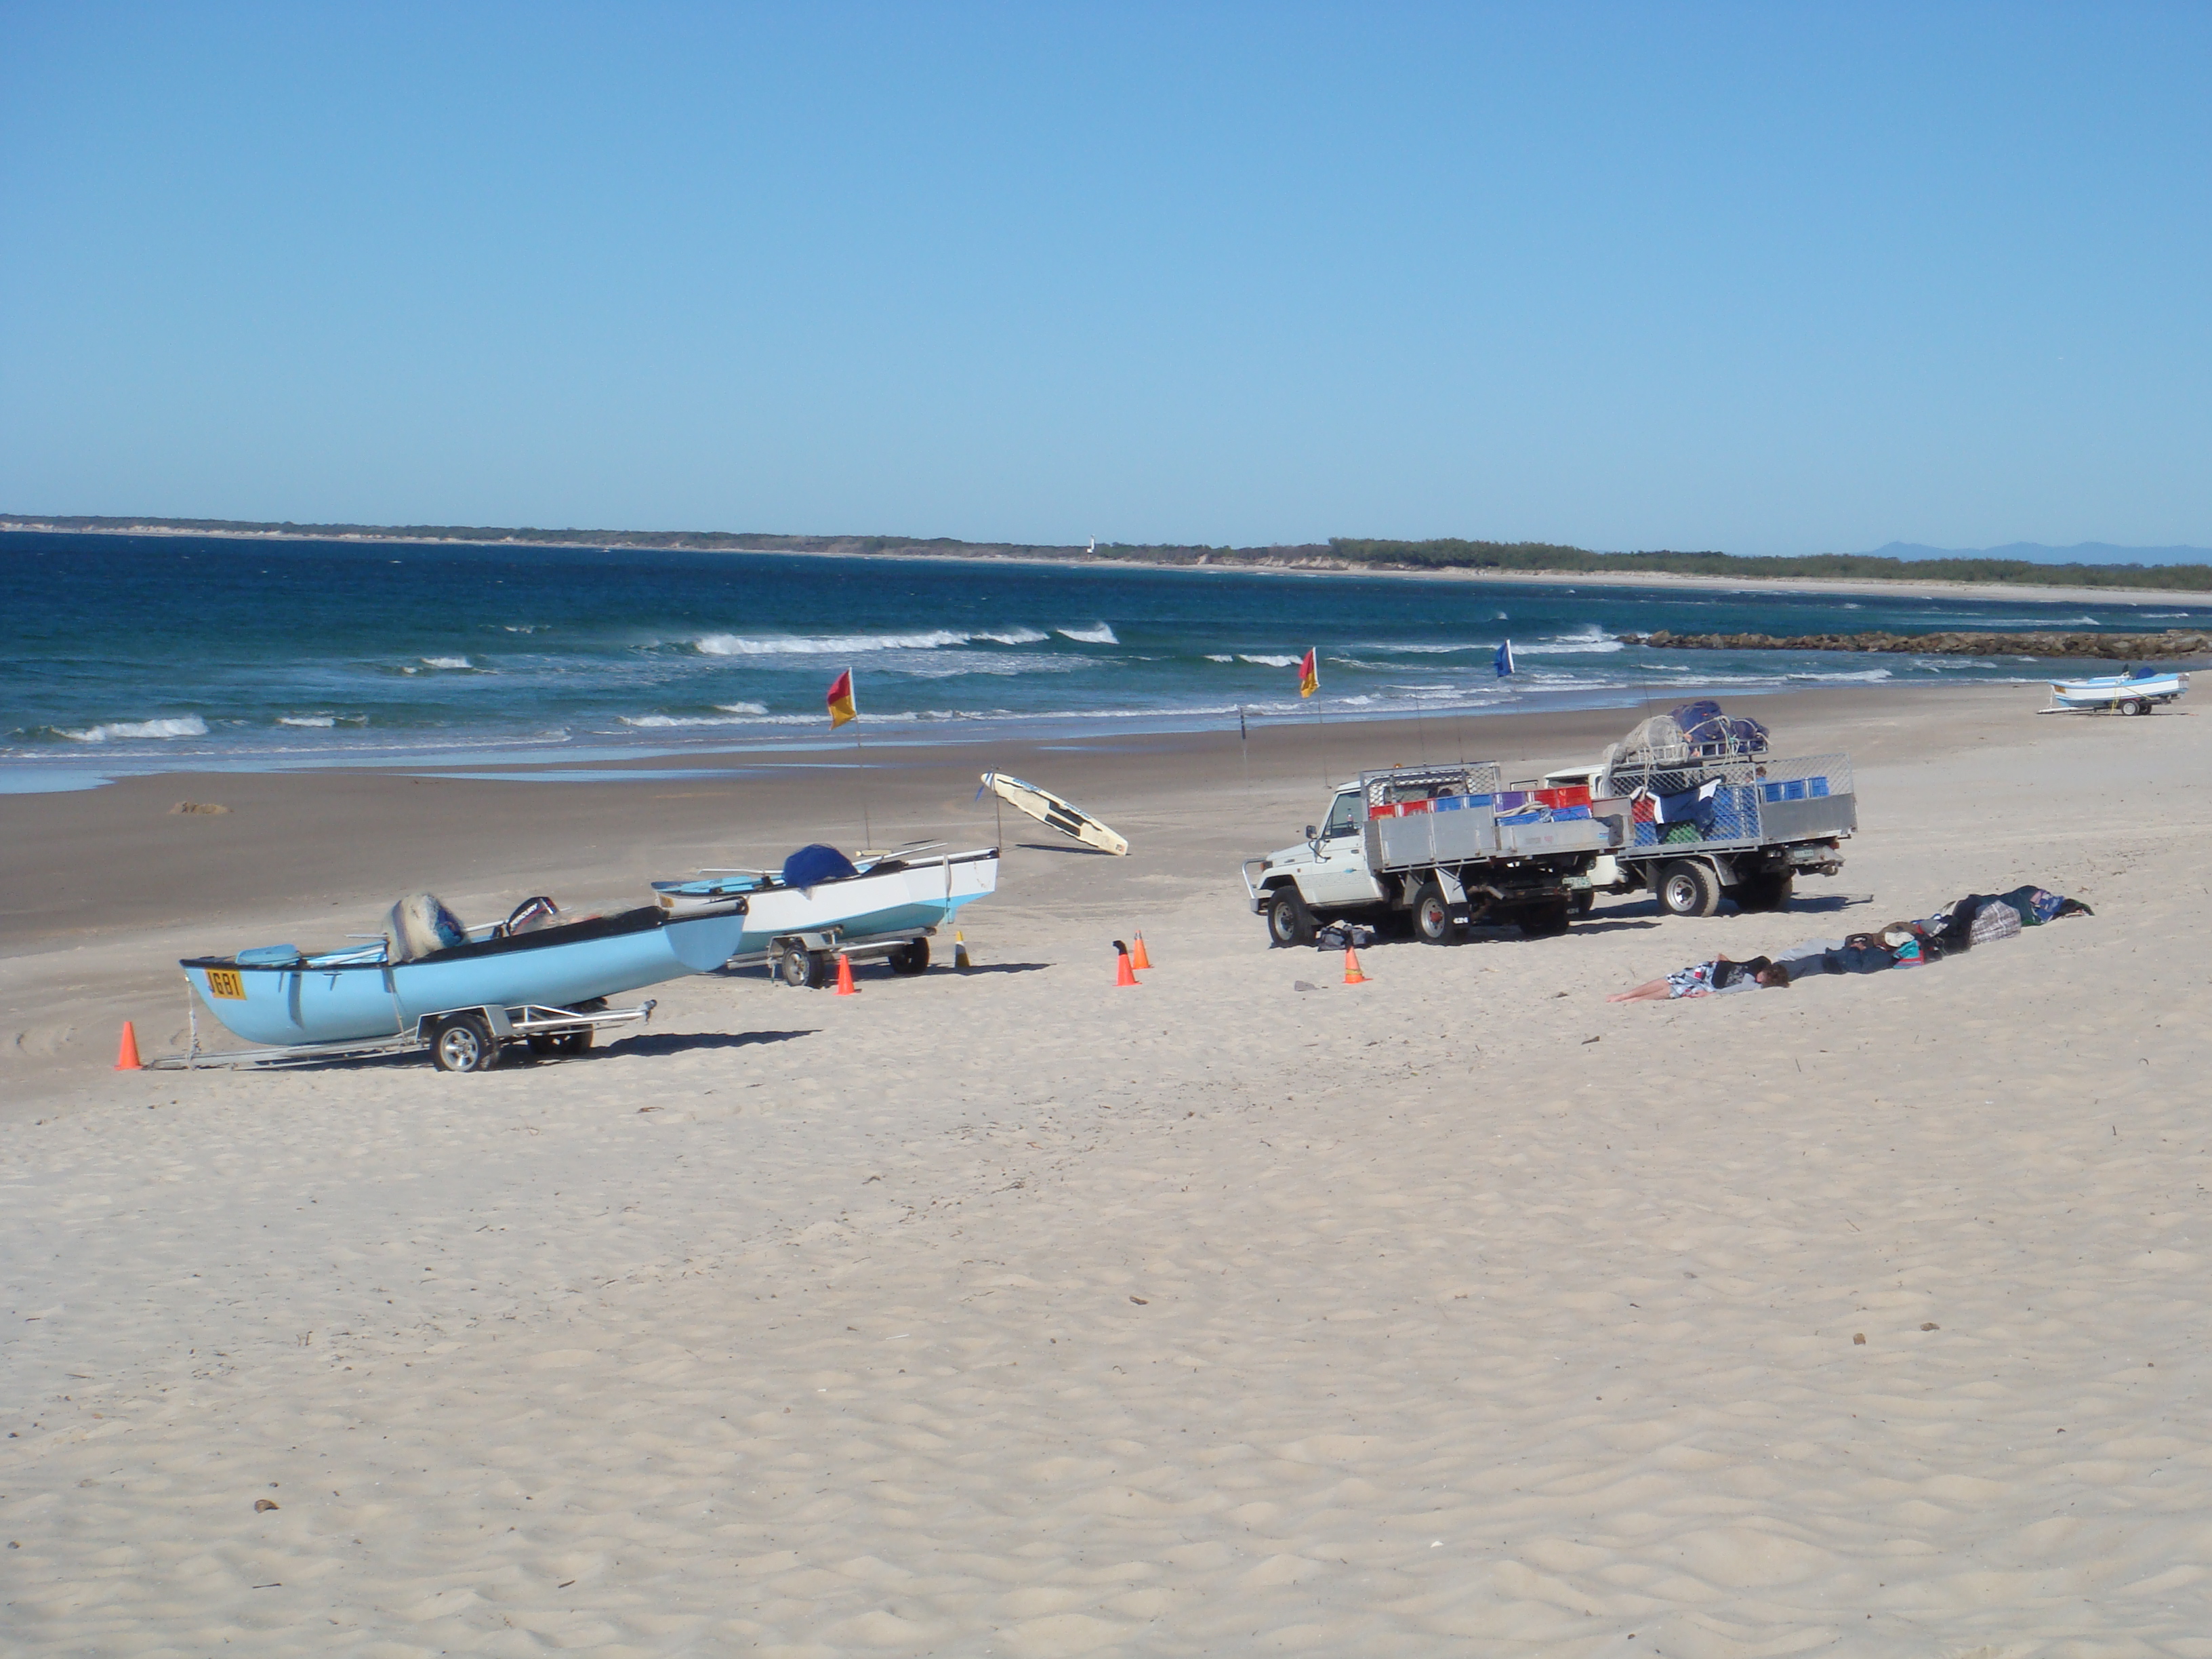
x: 1047, y: 808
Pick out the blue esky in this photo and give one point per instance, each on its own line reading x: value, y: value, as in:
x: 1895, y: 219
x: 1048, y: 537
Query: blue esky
x: 1766, y: 278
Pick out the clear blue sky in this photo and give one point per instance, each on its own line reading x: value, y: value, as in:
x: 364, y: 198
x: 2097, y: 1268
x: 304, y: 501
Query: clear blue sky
x: 1766, y: 278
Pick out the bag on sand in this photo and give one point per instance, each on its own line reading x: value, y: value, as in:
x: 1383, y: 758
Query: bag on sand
x: 1345, y: 936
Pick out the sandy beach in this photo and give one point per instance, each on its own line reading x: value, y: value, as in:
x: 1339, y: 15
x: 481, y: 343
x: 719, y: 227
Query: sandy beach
x: 1248, y: 1311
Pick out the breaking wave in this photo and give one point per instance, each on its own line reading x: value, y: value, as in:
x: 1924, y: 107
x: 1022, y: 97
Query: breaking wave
x: 840, y: 645
x: 446, y: 662
x: 1101, y: 634
x: 182, y: 726
x: 1269, y: 661
x: 307, y: 719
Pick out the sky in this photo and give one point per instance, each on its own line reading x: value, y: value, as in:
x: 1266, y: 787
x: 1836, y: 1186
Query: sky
x: 1766, y: 278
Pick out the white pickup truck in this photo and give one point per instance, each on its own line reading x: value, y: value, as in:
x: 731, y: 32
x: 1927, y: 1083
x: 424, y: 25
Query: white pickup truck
x: 1437, y: 847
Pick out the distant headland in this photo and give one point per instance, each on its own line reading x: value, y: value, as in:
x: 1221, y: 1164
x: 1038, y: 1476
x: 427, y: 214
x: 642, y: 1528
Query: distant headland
x: 1341, y: 554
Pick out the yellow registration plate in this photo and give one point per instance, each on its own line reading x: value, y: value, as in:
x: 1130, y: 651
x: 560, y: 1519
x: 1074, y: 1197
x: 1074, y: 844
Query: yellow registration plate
x: 224, y: 982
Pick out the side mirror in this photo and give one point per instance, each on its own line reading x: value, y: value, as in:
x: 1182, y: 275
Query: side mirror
x: 1312, y: 834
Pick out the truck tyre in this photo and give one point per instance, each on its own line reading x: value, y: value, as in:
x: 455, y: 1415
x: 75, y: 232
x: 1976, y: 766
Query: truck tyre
x: 1768, y: 892
x: 1432, y: 918
x: 463, y: 1042
x: 1688, y: 889
x: 1289, y: 921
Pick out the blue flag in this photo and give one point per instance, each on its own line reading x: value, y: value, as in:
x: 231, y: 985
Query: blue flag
x: 1505, y: 660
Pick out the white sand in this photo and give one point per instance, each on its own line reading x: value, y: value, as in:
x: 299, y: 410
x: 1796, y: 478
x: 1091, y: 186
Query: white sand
x: 1459, y: 1312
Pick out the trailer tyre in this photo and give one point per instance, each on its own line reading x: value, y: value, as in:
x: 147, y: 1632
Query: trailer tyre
x: 1688, y: 889
x: 1546, y: 920
x: 2134, y: 706
x: 561, y: 1042
x: 1289, y: 921
x: 801, y: 969
x: 911, y: 957
x: 463, y: 1042
x: 1432, y: 920
x: 1766, y: 892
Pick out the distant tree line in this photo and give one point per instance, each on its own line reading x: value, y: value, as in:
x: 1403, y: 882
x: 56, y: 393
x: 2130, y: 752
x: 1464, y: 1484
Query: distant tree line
x: 1338, y: 553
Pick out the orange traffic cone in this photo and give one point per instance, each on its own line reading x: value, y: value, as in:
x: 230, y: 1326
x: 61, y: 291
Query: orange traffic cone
x: 126, y: 1057
x: 1352, y: 974
x: 1123, y: 972
x: 1137, y: 956
x: 845, y: 986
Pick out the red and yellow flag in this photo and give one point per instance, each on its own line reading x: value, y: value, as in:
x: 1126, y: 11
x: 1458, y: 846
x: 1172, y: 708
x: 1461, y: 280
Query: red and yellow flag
x: 841, y: 707
x: 1309, y: 674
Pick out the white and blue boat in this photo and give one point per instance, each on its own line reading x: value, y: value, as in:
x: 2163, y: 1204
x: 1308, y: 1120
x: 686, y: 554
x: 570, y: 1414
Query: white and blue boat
x: 463, y: 991
x: 822, y: 904
x: 2136, y: 692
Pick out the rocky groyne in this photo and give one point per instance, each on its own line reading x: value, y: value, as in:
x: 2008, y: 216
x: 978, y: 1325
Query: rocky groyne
x: 2114, y: 648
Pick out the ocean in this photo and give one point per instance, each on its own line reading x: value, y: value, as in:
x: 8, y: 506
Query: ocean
x: 136, y: 653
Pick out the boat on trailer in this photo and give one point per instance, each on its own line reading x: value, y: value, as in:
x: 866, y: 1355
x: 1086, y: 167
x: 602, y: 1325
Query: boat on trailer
x: 429, y: 983
x: 821, y: 905
x: 2136, y: 692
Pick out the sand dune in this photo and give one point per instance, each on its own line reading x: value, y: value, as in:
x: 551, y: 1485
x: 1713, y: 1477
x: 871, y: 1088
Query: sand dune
x: 1009, y: 1313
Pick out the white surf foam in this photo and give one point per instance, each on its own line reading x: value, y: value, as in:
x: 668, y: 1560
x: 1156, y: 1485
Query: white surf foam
x: 1222, y: 656
x: 1101, y: 634
x: 743, y: 707
x: 1270, y: 662
x: 446, y: 662
x: 825, y: 644
x: 306, y: 720
x: 659, y: 722
x: 183, y: 726
x: 1581, y: 642
x: 1013, y: 637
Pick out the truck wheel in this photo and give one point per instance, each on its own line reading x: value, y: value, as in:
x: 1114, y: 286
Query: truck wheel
x: 911, y: 957
x: 1688, y: 889
x: 463, y: 1042
x: 1432, y: 921
x: 1289, y: 921
x: 1765, y: 892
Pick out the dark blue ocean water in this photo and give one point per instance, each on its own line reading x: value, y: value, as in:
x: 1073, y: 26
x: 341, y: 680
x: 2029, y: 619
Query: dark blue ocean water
x: 131, y: 653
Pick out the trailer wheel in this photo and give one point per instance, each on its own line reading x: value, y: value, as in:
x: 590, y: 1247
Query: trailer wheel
x: 1689, y: 890
x: 463, y: 1042
x: 801, y: 969
x: 1432, y: 921
x: 1766, y: 892
x: 2134, y: 706
x: 911, y: 957
x: 1289, y: 921
x: 1545, y: 920
x: 561, y: 1042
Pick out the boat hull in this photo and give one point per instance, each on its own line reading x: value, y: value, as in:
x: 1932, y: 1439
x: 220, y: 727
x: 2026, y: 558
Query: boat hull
x: 286, y: 1005
x: 920, y: 894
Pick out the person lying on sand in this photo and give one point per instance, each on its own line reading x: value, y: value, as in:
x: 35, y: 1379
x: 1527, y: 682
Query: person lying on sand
x: 1705, y: 979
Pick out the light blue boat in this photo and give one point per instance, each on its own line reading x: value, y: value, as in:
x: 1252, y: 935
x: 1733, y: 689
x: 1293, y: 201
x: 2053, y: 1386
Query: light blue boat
x: 2136, y: 692
x: 543, y: 983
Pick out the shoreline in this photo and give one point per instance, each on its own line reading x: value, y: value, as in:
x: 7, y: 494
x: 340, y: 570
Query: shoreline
x: 77, y: 771
x: 1318, y: 566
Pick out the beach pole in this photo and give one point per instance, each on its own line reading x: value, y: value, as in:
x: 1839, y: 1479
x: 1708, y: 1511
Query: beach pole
x: 845, y: 710
x: 1244, y: 748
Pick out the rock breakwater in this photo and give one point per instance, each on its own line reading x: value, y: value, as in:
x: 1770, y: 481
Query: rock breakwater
x: 2116, y: 647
